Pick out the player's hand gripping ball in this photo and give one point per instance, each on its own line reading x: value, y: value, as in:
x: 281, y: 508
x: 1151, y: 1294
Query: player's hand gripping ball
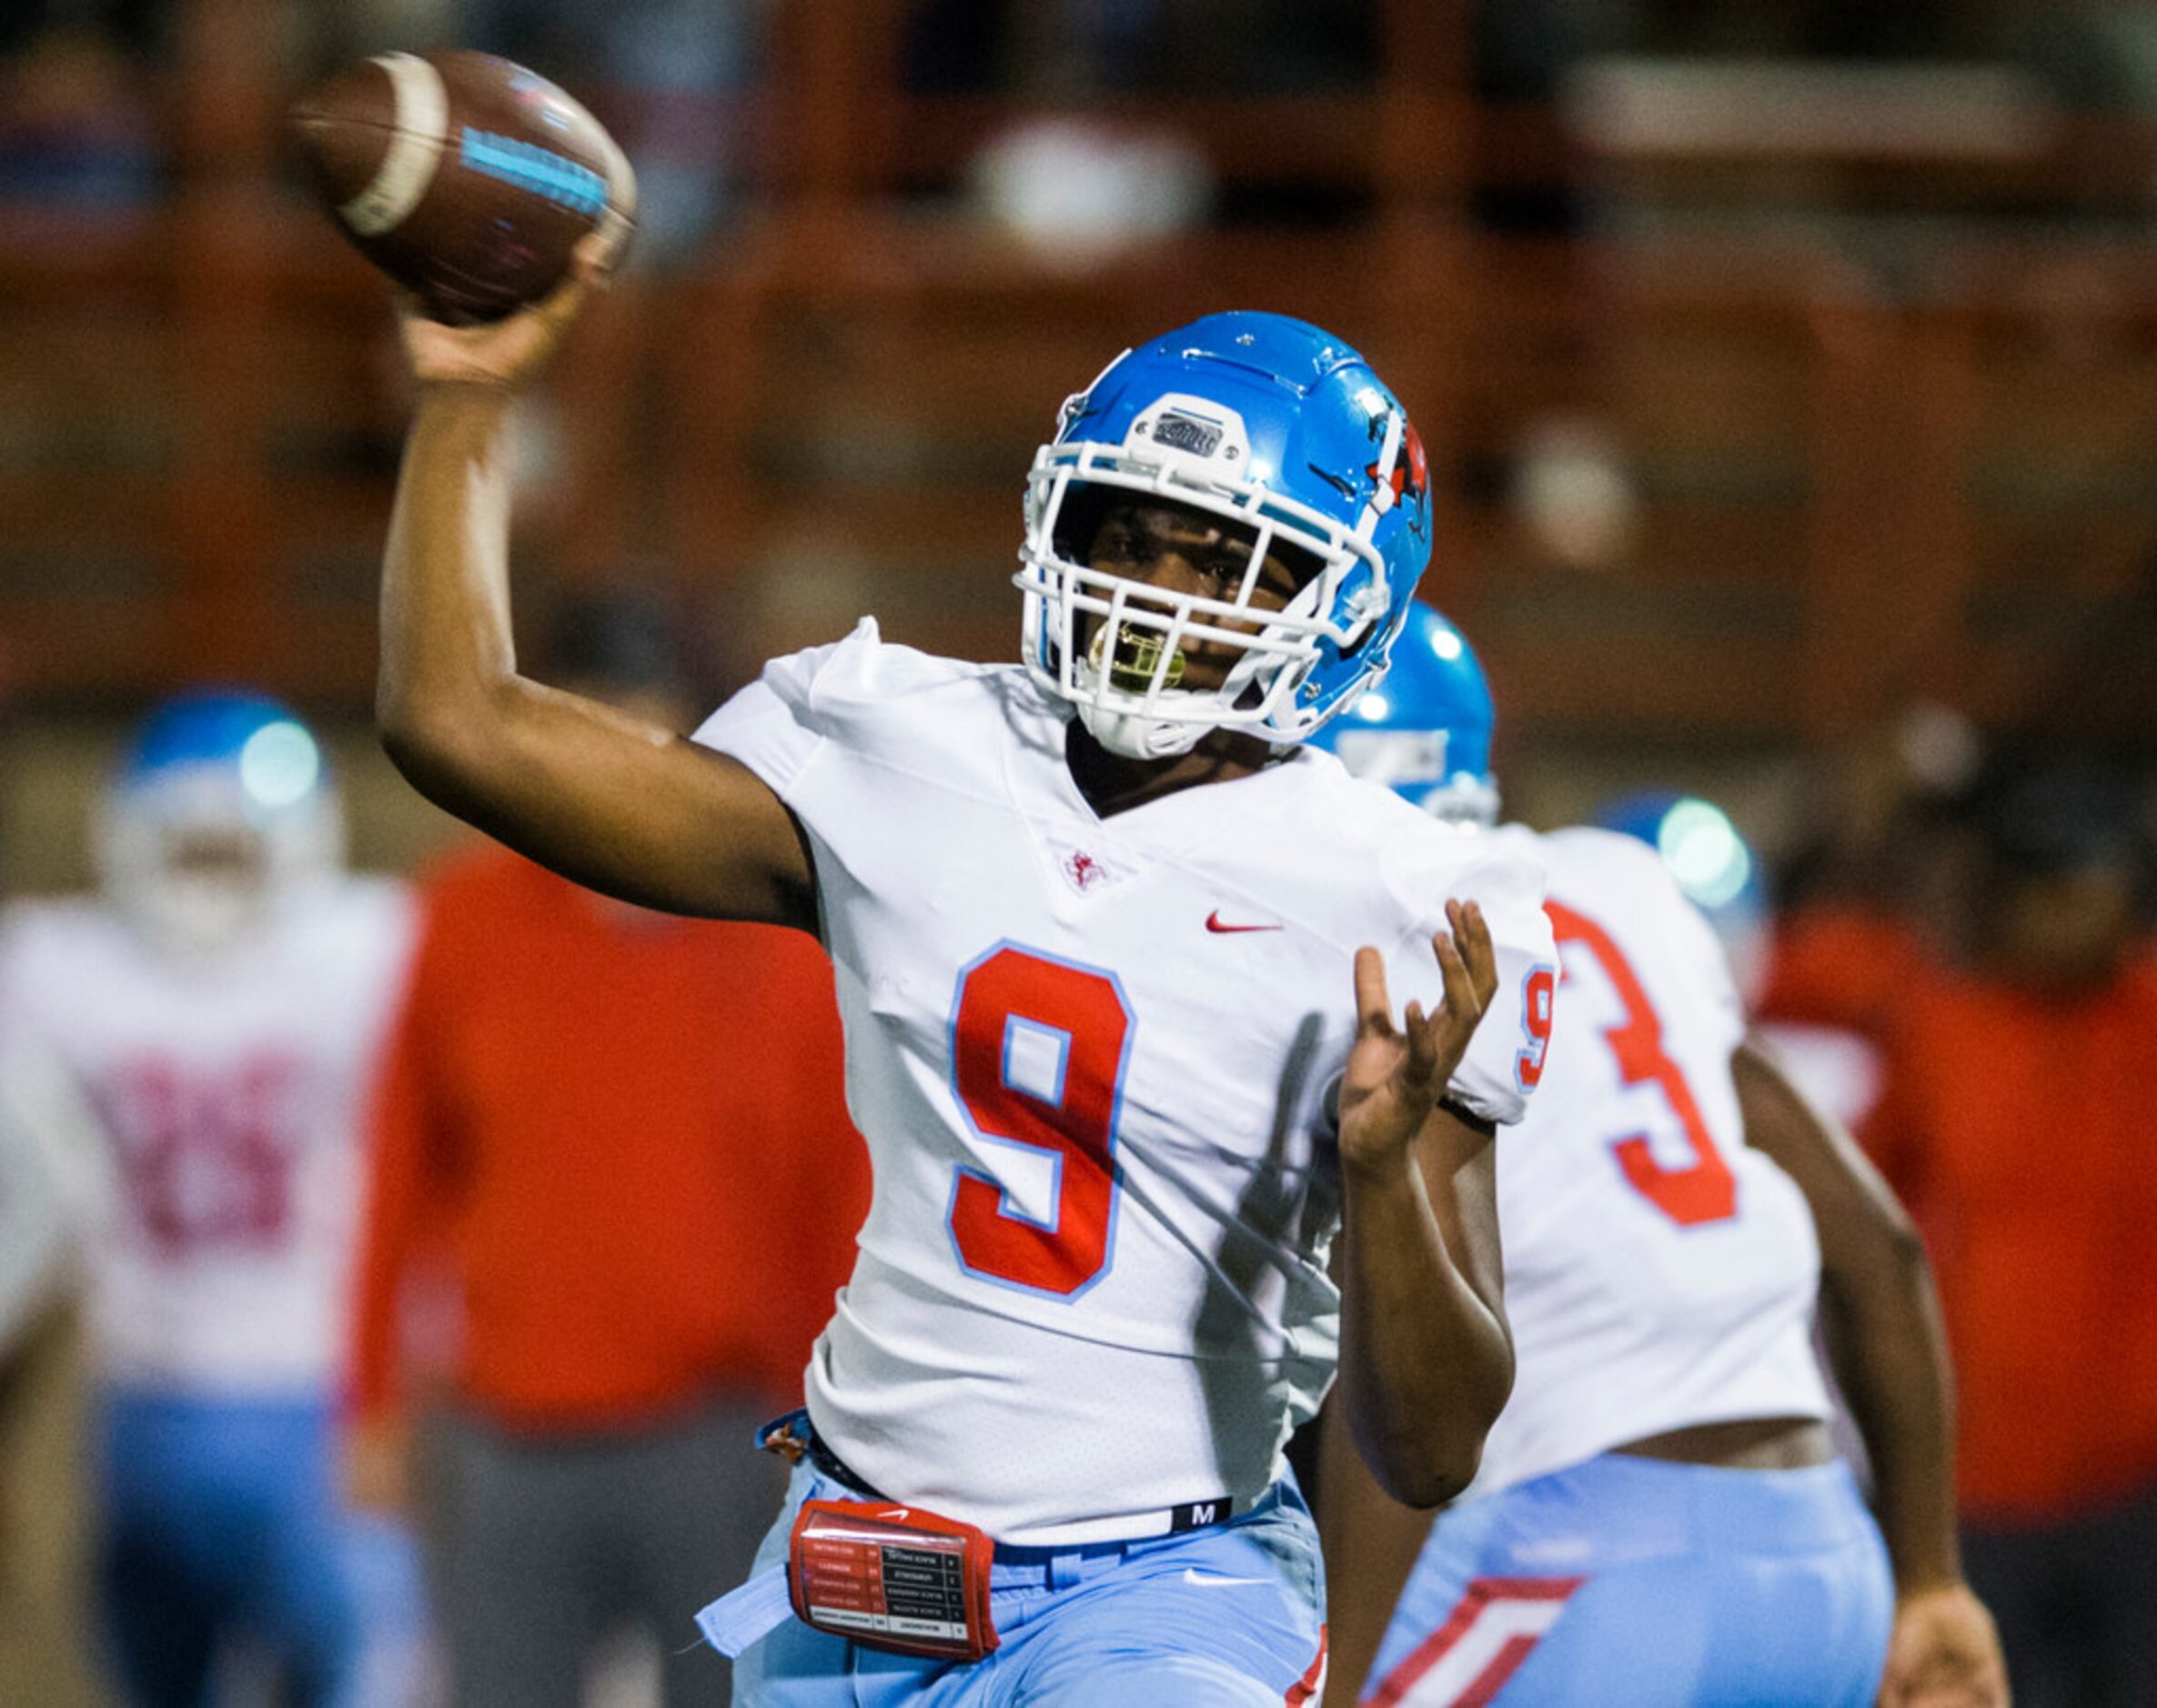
x: 468, y: 179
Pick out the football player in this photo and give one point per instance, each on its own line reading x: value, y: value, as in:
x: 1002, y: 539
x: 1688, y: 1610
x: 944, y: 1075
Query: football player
x: 1118, y: 965
x: 219, y: 1007
x: 1660, y: 1517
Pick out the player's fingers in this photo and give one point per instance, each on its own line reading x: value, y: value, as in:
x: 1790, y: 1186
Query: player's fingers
x: 1929, y: 1669
x: 436, y: 351
x: 1463, y: 1006
x: 1419, y: 1067
x: 1920, y: 1678
x: 1472, y: 934
x: 560, y: 306
x: 420, y: 331
x: 1374, y: 1007
x: 1938, y: 1692
x: 599, y: 251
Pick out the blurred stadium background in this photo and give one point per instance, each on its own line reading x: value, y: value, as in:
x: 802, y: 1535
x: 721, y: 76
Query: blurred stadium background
x: 1789, y: 373
x: 1788, y: 370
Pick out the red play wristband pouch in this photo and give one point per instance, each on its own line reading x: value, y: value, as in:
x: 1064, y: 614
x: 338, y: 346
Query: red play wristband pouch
x: 893, y: 1577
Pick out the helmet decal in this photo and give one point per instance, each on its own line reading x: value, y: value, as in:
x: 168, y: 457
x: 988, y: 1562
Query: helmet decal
x: 1409, y: 476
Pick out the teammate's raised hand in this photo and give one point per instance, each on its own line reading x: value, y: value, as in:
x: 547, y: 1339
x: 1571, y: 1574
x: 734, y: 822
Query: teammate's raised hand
x: 507, y: 353
x: 1396, y: 1073
x: 1944, y: 1653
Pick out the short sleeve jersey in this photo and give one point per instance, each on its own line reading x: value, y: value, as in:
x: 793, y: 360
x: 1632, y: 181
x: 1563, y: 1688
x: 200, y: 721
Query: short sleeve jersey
x: 230, y: 1092
x: 1660, y: 1272
x: 1090, y: 1058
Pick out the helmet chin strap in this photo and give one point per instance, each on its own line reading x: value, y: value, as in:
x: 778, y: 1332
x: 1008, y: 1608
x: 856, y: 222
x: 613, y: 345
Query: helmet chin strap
x: 1132, y: 736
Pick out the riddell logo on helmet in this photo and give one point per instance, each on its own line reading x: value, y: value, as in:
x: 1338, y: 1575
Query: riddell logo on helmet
x: 1189, y: 425
x: 1186, y: 432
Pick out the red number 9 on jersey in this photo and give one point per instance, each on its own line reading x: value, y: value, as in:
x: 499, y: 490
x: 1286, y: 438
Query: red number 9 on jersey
x: 1537, y: 995
x: 1039, y: 1048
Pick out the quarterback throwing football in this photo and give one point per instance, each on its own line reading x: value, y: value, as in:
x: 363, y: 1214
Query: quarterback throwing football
x: 1117, y: 961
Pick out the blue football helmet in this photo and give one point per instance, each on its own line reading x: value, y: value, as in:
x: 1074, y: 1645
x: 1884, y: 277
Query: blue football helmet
x: 1285, y: 434
x: 218, y: 811
x: 1711, y: 862
x: 1424, y: 729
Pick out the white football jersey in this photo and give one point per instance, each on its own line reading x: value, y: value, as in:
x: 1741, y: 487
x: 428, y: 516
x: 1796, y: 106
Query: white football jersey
x: 231, y: 1093
x: 1660, y: 1272
x: 1090, y: 1058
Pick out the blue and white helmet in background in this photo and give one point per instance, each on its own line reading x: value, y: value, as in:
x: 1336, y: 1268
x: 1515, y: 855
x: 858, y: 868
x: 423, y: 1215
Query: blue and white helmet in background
x: 1710, y: 860
x: 1280, y: 429
x: 1424, y: 729
x: 219, y: 809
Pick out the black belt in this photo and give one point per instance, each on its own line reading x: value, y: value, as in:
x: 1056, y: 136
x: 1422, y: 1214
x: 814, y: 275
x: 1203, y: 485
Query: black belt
x: 820, y: 1454
x: 794, y: 1439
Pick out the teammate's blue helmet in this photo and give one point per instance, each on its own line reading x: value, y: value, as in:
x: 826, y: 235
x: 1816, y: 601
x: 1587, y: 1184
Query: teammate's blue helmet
x: 1711, y: 862
x: 1285, y: 432
x: 1424, y: 729
x: 218, y: 808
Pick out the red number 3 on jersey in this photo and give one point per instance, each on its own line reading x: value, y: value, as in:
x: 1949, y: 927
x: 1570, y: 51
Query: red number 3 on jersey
x: 1704, y: 1191
x: 1039, y: 1049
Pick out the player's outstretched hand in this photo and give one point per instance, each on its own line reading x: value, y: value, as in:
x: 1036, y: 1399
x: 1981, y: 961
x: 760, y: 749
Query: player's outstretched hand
x: 1395, y: 1074
x: 1944, y: 1653
x: 507, y: 353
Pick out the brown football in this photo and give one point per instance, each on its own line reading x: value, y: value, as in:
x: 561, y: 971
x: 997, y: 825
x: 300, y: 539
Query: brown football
x: 466, y: 178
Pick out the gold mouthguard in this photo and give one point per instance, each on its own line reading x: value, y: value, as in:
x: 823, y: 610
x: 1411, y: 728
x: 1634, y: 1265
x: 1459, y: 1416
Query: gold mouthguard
x: 1137, y: 656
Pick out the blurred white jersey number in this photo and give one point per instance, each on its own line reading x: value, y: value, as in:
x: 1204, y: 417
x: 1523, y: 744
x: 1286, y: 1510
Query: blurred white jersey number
x: 230, y: 1093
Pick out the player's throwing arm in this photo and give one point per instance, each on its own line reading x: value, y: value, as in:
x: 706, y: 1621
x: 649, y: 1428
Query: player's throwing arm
x: 1427, y: 1360
x: 620, y: 805
x: 497, y: 202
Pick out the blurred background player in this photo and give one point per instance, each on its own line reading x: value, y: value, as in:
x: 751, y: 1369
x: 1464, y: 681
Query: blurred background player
x: 2015, y: 1119
x: 221, y: 1005
x: 619, y: 1140
x: 1659, y: 1516
x: 49, y: 1183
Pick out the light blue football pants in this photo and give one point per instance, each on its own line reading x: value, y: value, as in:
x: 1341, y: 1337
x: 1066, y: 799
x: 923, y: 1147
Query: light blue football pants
x: 1647, y: 1584
x: 1214, y: 1618
x: 220, y: 1525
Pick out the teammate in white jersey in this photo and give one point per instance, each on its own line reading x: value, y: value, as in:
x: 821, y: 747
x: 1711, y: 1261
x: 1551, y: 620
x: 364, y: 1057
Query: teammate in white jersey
x: 219, y: 1007
x: 1660, y: 1517
x: 1112, y: 955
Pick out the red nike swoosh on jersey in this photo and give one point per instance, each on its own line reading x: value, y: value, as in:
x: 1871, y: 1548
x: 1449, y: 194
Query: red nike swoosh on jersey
x: 1213, y: 922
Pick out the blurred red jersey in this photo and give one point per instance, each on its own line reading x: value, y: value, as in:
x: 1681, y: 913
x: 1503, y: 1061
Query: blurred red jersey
x: 627, y: 1135
x: 2019, y: 1129
x: 1840, y: 966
